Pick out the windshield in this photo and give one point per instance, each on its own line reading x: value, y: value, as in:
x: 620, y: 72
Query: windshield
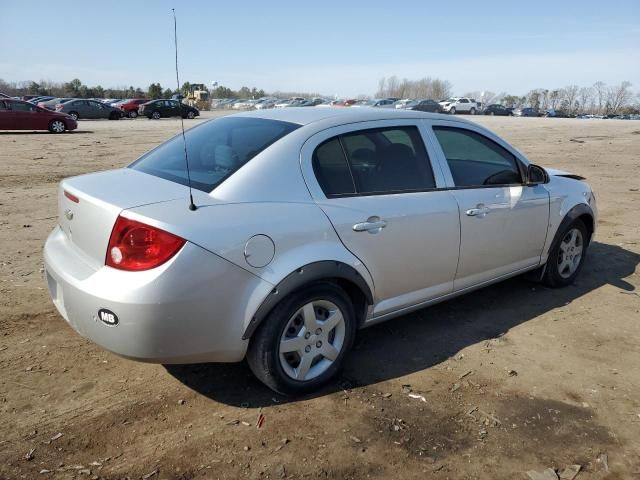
x: 216, y: 150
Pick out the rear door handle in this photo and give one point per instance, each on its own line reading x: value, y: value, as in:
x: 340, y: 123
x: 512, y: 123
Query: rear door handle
x: 372, y: 225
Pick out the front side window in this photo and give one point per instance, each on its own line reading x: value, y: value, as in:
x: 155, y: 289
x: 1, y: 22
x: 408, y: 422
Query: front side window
x: 377, y: 161
x: 216, y: 150
x: 475, y: 161
x: 23, y: 107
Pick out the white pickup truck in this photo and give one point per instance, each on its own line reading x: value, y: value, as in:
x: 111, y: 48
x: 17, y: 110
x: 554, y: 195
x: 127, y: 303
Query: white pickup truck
x: 455, y: 105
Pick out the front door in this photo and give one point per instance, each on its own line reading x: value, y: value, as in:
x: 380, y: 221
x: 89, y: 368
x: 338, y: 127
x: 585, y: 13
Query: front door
x: 503, y: 221
x: 378, y: 189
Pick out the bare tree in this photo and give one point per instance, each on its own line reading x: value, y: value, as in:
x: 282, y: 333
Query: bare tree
x: 600, y: 89
x: 571, y: 96
x: 618, y: 96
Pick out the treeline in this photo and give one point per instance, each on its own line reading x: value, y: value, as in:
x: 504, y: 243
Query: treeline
x: 597, y: 99
x: 75, y: 88
x: 427, y: 87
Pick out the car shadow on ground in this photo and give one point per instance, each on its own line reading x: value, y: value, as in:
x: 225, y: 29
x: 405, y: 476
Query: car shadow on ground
x: 422, y: 339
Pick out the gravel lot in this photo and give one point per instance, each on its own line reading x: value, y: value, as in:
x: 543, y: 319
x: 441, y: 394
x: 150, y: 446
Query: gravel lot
x: 515, y: 377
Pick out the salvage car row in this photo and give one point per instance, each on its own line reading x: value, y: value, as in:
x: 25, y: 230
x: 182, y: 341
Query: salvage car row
x: 59, y: 115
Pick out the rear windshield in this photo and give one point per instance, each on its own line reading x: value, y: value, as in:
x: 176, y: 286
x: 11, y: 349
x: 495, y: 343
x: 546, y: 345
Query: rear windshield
x: 216, y: 149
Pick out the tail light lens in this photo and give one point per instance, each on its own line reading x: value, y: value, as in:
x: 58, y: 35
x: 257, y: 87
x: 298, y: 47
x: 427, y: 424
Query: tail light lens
x: 134, y: 246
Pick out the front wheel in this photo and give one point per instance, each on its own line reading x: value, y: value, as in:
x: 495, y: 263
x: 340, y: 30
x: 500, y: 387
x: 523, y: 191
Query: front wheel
x: 567, y: 255
x: 452, y: 110
x: 302, y: 343
x: 57, y: 126
x: 191, y: 115
x: 472, y: 111
x: 133, y: 114
x: 155, y: 115
x: 114, y: 116
x: 492, y: 114
x: 74, y: 115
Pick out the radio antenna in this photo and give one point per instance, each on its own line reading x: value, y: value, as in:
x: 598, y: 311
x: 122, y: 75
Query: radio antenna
x: 192, y: 206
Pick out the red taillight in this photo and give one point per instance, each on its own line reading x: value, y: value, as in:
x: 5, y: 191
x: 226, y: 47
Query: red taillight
x: 135, y: 246
x: 71, y: 197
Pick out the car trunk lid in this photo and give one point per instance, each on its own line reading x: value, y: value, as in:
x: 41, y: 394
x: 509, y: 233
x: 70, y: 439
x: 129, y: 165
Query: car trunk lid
x: 88, y: 206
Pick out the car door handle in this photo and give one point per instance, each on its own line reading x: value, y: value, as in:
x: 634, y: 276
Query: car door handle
x: 372, y: 225
x: 479, y: 211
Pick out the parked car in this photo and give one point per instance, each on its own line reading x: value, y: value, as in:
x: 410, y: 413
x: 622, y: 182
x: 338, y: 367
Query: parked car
x: 80, y: 108
x: 21, y: 115
x: 162, y: 108
x: 425, y: 106
x: 497, y: 109
x: 407, y: 102
x: 345, y: 102
x: 130, y: 106
x: 309, y: 224
x: 378, y: 103
x: 455, y: 105
x: 266, y: 104
x: 526, y: 112
x: 51, y: 104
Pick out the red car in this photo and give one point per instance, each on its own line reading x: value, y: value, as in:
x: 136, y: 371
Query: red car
x: 130, y: 107
x: 19, y: 115
x: 345, y: 103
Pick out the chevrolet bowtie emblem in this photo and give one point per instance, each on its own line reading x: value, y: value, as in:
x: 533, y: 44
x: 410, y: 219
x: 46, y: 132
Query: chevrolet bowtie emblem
x: 69, y: 214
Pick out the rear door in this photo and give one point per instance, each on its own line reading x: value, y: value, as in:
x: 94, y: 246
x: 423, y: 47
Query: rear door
x: 503, y: 221
x: 7, y: 121
x: 375, y: 183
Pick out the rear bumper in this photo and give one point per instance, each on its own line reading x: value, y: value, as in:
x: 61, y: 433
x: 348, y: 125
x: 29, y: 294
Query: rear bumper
x: 192, y: 309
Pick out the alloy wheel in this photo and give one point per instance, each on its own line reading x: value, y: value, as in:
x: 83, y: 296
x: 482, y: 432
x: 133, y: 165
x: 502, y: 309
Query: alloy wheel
x: 312, y: 340
x: 57, y: 126
x: 570, y: 253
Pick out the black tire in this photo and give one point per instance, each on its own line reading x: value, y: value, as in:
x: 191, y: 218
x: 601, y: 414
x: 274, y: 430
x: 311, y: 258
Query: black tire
x: 114, y: 116
x: 492, y: 114
x: 263, y: 355
x: 155, y: 115
x: 452, y: 110
x: 57, y: 126
x: 191, y: 115
x: 74, y: 115
x: 552, y: 274
x: 133, y: 114
x: 472, y: 111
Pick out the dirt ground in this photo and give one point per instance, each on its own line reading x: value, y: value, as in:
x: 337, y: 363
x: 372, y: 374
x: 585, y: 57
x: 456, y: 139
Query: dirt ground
x: 515, y: 377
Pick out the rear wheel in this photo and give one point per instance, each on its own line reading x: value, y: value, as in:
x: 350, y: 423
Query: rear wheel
x: 57, y: 126
x: 472, y: 111
x: 74, y: 115
x: 155, y: 115
x: 452, y: 110
x: 191, y: 115
x: 302, y: 343
x: 133, y: 114
x: 567, y: 255
x: 492, y: 114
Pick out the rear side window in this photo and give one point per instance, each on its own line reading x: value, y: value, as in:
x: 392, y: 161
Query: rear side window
x: 375, y: 161
x: 475, y: 160
x: 331, y: 169
x: 216, y: 150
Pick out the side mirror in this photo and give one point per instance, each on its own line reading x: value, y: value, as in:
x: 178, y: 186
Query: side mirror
x: 537, y: 175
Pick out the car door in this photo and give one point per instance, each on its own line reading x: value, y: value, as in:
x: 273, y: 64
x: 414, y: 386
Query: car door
x: 464, y: 105
x: 375, y: 183
x: 7, y: 121
x: 503, y: 221
x: 25, y: 116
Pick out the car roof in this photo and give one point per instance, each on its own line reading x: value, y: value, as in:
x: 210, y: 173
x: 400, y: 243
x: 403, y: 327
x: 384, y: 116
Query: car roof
x: 339, y: 115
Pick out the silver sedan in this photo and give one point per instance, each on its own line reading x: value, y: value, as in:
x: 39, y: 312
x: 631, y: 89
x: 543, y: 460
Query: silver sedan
x: 306, y: 225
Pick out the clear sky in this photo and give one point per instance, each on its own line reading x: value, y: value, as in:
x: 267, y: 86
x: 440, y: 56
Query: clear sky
x: 327, y: 46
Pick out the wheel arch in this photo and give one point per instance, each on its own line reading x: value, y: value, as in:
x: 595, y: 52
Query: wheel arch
x: 581, y: 212
x: 343, y: 275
